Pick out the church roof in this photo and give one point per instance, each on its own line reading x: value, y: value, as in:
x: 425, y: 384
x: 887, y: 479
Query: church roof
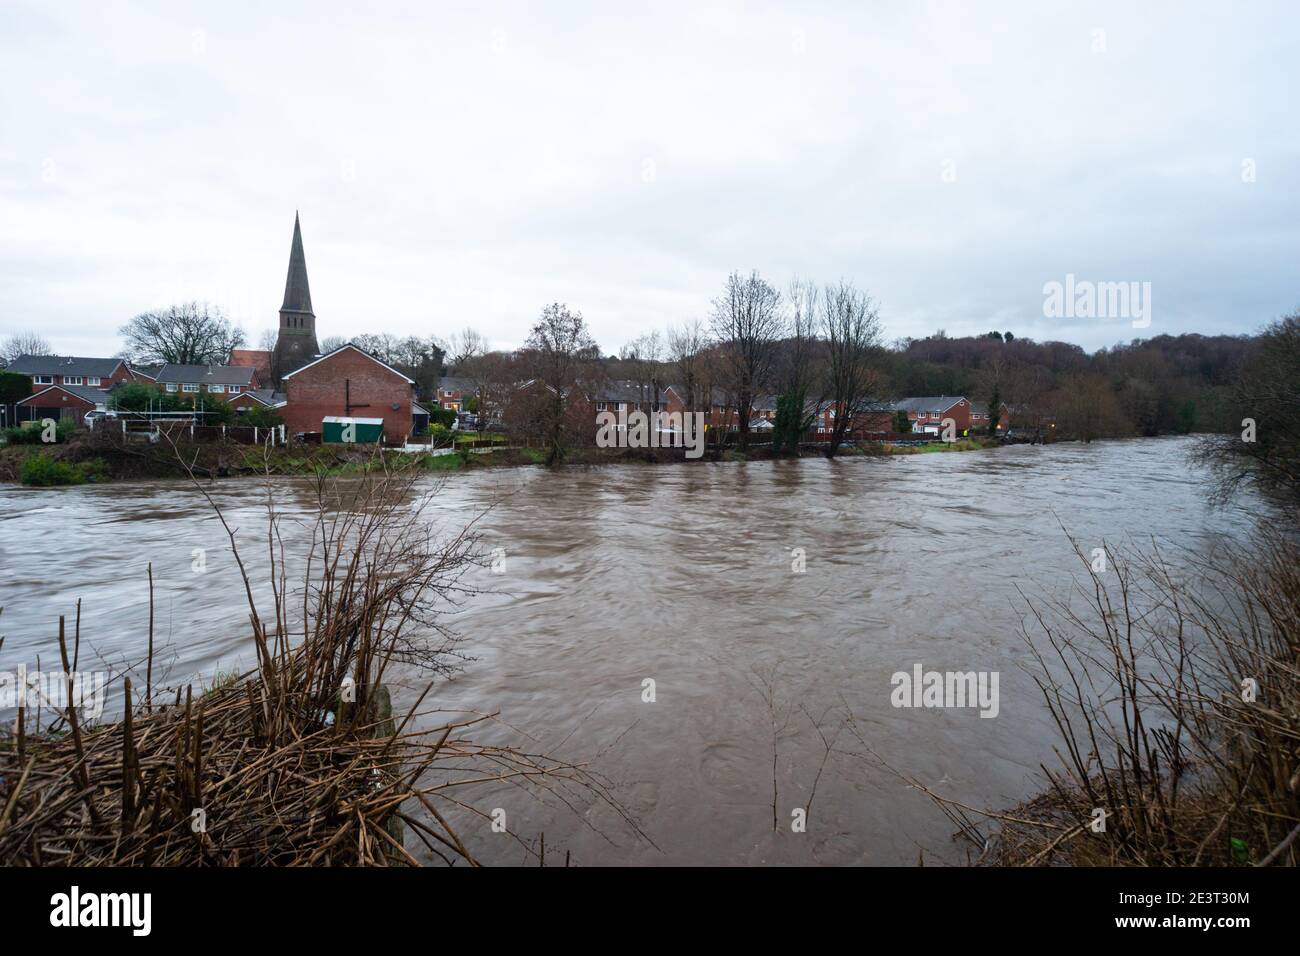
x: 297, y: 294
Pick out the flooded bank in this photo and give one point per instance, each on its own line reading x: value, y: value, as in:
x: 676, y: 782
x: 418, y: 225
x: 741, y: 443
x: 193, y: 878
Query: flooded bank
x: 762, y: 600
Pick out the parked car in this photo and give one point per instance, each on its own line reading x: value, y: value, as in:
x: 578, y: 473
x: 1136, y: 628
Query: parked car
x: 95, y: 415
x: 467, y: 420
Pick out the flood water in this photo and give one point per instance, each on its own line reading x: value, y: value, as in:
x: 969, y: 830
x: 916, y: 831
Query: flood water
x: 683, y: 575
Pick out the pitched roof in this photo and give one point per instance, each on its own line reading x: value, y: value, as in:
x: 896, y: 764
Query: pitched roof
x: 355, y: 348
x: 455, y: 383
x: 619, y: 391
x: 97, y: 396
x: 254, y: 358
x: 928, y: 403
x: 268, y: 397
x: 297, y: 294
x: 205, y: 374
x: 63, y: 365
x: 148, y: 371
x: 717, y: 395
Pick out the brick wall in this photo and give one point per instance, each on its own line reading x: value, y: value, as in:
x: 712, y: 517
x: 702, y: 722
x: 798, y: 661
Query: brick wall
x: 58, y: 404
x: 315, y: 392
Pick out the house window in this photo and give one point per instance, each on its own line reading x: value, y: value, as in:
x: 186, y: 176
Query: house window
x: 42, y: 379
x: 216, y: 389
x: 233, y: 389
x: 171, y: 386
x: 92, y: 380
x: 188, y: 387
x: 73, y: 380
x: 600, y: 406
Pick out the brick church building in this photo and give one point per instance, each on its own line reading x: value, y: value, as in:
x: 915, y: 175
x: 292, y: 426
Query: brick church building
x: 345, y: 383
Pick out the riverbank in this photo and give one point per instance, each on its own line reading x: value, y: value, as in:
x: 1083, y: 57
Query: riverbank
x: 85, y: 459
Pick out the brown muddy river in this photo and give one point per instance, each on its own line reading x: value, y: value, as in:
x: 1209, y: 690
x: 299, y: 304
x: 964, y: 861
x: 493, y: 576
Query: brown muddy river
x: 682, y: 575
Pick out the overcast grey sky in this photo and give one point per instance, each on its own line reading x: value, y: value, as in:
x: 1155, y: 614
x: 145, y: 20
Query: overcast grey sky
x: 464, y: 164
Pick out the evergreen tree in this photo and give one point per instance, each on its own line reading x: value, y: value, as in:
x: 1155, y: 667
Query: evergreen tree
x: 787, y: 429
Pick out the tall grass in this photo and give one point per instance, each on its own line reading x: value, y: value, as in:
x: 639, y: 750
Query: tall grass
x: 300, y: 760
x: 1175, y: 690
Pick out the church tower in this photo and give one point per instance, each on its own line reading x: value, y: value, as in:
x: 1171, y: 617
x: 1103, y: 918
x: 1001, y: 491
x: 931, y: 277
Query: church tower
x: 296, y: 344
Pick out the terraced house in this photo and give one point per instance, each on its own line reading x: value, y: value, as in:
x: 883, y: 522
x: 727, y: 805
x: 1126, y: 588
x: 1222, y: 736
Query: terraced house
x: 71, y: 370
x: 224, y: 380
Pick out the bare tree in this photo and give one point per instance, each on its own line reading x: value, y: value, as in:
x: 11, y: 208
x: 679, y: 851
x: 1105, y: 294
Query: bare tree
x: 851, y: 324
x: 799, y: 374
x: 747, y: 322
x: 24, y: 343
x: 1262, y: 447
x: 1087, y: 408
x: 685, y: 351
x: 331, y: 343
x: 643, y: 356
x: 558, y: 350
x: 494, y: 377
x: 191, y: 333
x: 465, y: 346
x: 382, y: 345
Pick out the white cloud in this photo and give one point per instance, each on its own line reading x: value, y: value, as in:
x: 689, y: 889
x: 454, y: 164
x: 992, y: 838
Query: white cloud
x: 464, y: 165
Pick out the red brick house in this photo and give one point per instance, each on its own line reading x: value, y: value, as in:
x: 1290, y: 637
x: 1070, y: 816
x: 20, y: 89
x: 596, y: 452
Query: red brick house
x: 348, y: 382
x: 928, y: 412
x: 979, y: 417
x: 70, y: 370
x: 719, y: 414
x: 453, y: 391
x: 63, y: 401
x: 870, y: 421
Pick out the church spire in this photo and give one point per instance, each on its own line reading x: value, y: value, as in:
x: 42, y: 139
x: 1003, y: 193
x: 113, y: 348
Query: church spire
x: 297, y: 294
x: 295, y: 346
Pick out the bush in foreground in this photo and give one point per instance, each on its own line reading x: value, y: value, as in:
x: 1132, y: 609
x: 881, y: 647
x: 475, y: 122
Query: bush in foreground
x: 42, y: 471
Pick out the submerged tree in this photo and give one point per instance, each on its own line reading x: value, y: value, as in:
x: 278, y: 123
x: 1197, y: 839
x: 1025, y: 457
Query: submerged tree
x: 995, y: 403
x: 1263, y: 450
x: 851, y: 324
x: 558, y: 350
x: 800, y: 369
x: 747, y: 322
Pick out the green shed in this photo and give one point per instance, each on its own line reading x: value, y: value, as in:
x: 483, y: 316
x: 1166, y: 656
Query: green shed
x: 336, y: 428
